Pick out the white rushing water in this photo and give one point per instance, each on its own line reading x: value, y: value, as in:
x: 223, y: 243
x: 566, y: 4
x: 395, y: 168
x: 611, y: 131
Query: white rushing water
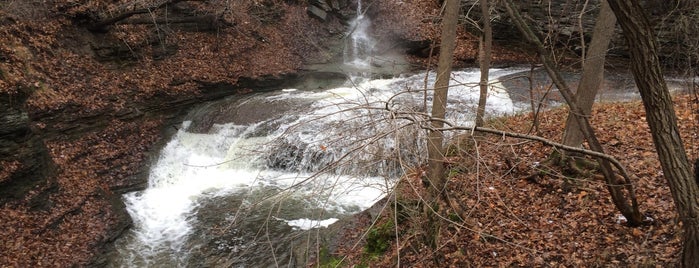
x: 360, y: 46
x: 334, y: 150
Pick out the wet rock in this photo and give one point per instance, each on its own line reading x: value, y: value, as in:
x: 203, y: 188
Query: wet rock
x: 21, y: 149
x: 122, y: 223
x: 317, y: 13
x: 330, y: 240
x: 322, y: 4
x: 325, y: 9
x: 285, y: 157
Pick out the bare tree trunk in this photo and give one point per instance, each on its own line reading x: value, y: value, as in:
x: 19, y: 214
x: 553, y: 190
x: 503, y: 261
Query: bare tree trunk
x: 593, y: 73
x: 484, y: 48
x: 435, y: 149
x: 615, y: 186
x: 662, y: 121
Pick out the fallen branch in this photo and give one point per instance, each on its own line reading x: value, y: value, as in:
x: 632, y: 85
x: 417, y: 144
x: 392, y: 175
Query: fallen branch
x: 422, y: 123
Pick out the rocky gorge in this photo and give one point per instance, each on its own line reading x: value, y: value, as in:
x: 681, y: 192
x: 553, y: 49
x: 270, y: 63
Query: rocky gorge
x: 85, y: 97
x: 89, y: 91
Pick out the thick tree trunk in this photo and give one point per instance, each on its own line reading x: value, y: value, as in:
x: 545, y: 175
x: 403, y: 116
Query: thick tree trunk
x: 662, y: 121
x: 435, y: 148
x: 615, y: 186
x: 484, y: 49
x: 593, y: 73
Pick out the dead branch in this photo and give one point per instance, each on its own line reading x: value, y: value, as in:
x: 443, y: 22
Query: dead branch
x: 424, y: 118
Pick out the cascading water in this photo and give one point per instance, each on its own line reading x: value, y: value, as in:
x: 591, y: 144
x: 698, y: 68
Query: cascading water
x: 241, y: 178
x: 221, y: 189
x: 360, y: 45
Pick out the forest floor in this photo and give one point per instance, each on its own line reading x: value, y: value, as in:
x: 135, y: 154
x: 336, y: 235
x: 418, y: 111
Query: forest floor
x: 507, y: 209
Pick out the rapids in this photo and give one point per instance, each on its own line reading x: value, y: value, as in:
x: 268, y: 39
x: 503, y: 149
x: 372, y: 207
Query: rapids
x: 242, y: 178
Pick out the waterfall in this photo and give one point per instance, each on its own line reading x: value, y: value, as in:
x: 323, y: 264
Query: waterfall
x: 225, y: 187
x: 360, y: 45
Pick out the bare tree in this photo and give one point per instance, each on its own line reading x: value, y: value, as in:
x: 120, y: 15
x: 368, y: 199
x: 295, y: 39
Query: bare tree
x: 436, y: 180
x: 593, y: 73
x: 621, y: 190
x: 485, y: 45
x: 662, y: 121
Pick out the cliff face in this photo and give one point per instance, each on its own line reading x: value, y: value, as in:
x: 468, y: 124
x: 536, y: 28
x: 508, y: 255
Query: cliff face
x: 564, y: 27
x: 25, y: 160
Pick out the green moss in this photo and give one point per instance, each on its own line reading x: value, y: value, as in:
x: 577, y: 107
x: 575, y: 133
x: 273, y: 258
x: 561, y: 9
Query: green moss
x: 379, y: 238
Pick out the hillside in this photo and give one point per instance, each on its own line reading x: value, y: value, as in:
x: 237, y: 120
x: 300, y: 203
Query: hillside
x: 508, y: 208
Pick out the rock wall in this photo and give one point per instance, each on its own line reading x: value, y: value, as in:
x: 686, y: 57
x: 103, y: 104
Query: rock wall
x: 23, y: 157
x: 559, y: 23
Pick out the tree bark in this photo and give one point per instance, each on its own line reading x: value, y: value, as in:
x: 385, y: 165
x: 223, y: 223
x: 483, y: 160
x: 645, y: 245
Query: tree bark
x: 593, y: 73
x: 615, y: 186
x: 435, y: 149
x: 484, y: 49
x: 662, y: 121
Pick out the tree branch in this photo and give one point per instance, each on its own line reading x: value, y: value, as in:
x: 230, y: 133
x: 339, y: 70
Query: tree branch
x: 451, y: 126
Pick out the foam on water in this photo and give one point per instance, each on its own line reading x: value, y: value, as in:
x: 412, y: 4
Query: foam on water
x: 307, y: 224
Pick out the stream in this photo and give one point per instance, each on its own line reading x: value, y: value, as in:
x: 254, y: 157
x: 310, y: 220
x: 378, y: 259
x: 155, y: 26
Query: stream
x: 244, y: 176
